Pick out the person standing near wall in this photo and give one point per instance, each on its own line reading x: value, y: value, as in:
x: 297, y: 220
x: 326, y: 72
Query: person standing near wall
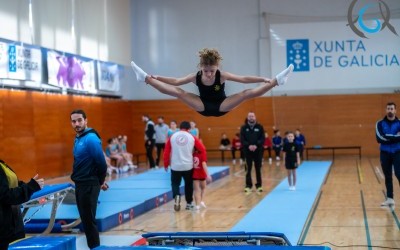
x: 88, y: 174
x: 178, y: 155
x: 13, y: 193
x: 388, y: 136
x: 161, y: 130
x: 300, y: 140
x: 252, y: 138
x: 150, y: 140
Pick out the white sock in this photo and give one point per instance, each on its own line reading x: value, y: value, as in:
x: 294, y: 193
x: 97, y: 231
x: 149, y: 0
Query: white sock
x: 140, y: 74
x: 282, y: 77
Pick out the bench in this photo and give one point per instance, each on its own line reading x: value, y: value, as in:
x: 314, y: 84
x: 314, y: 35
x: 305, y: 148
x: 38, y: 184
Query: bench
x: 138, y: 157
x: 333, y: 149
x: 222, y: 151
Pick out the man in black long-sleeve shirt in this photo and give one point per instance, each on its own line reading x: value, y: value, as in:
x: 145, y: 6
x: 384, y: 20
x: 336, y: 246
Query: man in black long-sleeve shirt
x: 252, y: 138
x: 150, y: 139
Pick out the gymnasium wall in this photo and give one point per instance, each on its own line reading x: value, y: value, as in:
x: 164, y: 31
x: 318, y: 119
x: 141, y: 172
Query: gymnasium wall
x: 36, y: 135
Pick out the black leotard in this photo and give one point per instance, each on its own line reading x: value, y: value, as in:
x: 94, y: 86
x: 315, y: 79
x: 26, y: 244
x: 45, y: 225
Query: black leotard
x: 211, y: 96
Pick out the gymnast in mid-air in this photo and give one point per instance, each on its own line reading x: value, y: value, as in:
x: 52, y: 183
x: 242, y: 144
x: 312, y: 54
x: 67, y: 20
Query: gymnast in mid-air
x: 212, y: 100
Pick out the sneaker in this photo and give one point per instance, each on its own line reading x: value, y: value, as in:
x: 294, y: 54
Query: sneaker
x: 293, y: 188
x: 197, y: 208
x: 234, y: 162
x: 203, y: 204
x: 277, y: 158
x: 388, y: 202
x: 270, y: 160
x: 247, y: 190
x: 189, y: 206
x: 259, y: 189
x: 241, y: 162
x: 177, y: 205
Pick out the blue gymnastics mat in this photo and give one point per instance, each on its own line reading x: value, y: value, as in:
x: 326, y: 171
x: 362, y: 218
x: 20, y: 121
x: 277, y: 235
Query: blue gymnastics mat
x: 126, y: 198
x: 287, y: 211
x: 45, y: 243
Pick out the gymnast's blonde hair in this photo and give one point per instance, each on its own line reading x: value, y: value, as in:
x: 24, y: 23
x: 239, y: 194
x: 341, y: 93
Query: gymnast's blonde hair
x: 209, y: 57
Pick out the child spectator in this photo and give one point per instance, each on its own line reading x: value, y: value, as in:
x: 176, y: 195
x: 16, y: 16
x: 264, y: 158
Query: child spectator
x: 301, y: 141
x: 172, y: 128
x: 124, y: 152
x: 268, y: 147
x: 225, y: 143
x: 277, y: 144
x: 291, y: 157
x: 110, y: 167
x: 200, y: 178
x: 113, y: 154
x: 237, y: 145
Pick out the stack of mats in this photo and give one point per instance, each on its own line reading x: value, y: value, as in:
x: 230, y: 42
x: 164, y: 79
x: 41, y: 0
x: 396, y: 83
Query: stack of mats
x: 127, y: 198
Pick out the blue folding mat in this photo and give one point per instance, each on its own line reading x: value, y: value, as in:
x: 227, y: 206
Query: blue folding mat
x: 127, y: 198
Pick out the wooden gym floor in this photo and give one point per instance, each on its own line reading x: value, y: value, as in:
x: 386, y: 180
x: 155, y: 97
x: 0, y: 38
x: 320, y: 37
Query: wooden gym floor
x: 347, y: 213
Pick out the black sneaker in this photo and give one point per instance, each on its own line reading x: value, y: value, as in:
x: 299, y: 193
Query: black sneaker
x: 177, y: 205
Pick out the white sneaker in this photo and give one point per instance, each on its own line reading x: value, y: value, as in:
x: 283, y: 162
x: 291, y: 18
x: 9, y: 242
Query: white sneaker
x: 270, y: 160
x: 277, y: 158
x: 177, y: 204
x: 234, y: 162
x: 203, y: 204
x: 196, y: 207
x: 388, y: 202
x: 241, y: 162
x: 293, y: 188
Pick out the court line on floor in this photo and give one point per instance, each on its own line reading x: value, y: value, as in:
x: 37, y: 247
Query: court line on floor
x: 365, y: 221
x: 305, y: 232
x: 396, y: 219
x: 376, y: 171
x: 359, y: 171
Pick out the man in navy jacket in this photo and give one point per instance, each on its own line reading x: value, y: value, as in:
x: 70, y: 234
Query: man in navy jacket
x: 89, y: 173
x: 388, y: 135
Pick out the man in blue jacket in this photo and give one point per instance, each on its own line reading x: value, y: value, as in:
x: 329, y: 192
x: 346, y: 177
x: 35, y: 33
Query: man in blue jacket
x: 388, y: 135
x: 89, y: 173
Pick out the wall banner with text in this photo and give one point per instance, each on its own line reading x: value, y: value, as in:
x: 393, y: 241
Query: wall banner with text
x: 330, y: 55
x: 108, y: 76
x: 20, y: 62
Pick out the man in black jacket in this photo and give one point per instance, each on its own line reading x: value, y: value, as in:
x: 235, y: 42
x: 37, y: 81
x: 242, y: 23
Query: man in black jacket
x: 252, y: 138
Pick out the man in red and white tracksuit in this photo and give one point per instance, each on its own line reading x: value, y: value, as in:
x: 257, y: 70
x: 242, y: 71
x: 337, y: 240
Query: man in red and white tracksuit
x: 178, y: 155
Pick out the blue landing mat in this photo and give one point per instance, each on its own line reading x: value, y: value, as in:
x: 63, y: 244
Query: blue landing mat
x: 126, y: 199
x: 286, y: 211
x: 46, y: 243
